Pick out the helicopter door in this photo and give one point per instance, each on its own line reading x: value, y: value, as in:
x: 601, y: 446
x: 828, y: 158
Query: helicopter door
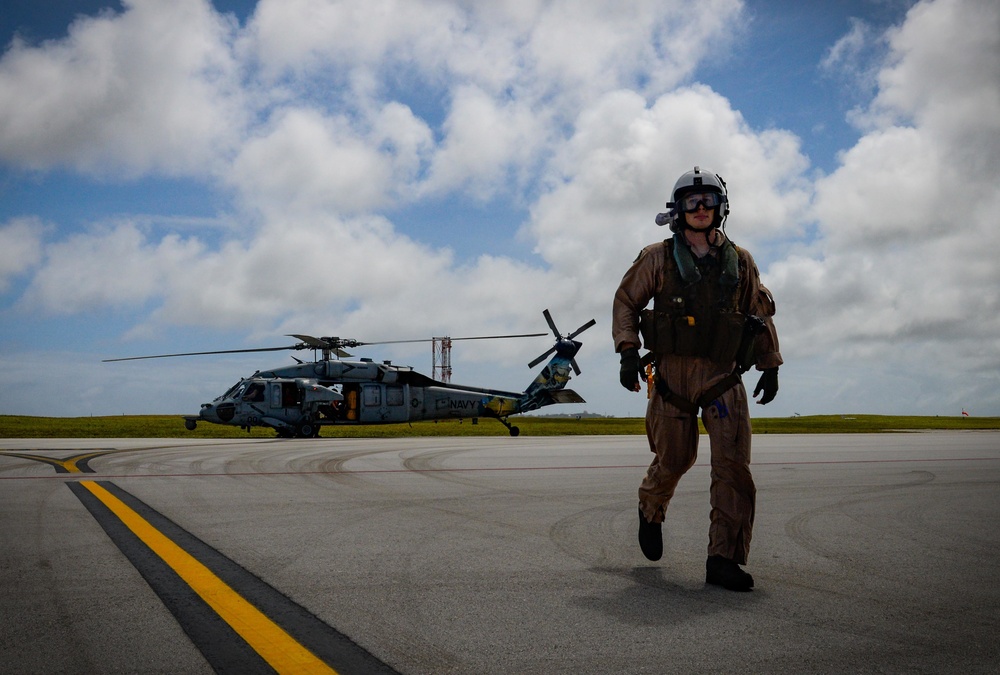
x: 284, y: 395
x: 382, y: 403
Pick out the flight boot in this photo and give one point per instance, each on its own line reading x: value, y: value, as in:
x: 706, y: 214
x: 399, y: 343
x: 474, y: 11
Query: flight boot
x: 724, y: 572
x: 650, y: 538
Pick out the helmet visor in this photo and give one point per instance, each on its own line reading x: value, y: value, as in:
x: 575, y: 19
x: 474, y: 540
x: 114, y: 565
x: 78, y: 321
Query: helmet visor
x: 689, y: 203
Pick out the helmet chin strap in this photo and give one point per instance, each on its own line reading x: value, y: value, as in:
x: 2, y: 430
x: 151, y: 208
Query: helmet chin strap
x: 717, y: 223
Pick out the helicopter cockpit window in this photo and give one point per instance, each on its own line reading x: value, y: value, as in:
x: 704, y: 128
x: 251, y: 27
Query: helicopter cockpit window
x: 254, y: 393
x: 237, y: 391
x: 230, y: 392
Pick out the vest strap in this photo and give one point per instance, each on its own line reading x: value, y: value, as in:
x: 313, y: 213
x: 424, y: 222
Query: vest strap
x: 693, y: 407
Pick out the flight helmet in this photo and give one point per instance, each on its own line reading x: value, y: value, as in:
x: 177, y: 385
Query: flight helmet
x: 696, y: 182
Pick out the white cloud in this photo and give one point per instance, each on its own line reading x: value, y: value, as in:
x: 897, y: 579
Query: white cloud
x: 545, y: 46
x: 484, y: 141
x: 855, y: 57
x: 508, y: 78
x: 112, y: 266
x: 314, y: 162
x: 152, y: 88
x: 619, y: 168
x: 904, y: 275
x: 20, y: 248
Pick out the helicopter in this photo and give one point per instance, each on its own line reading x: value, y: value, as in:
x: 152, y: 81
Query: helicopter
x: 298, y: 400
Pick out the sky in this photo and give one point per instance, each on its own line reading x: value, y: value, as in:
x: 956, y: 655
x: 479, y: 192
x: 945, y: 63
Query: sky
x: 195, y: 175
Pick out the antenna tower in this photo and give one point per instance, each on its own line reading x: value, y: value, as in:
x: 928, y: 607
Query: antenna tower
x: 441, y: 359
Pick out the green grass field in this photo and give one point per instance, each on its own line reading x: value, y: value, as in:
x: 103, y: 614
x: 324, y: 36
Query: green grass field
x: 172, y: 426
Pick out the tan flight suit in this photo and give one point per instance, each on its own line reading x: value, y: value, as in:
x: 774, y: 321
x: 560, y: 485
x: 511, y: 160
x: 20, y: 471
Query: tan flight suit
x: 673, y: 433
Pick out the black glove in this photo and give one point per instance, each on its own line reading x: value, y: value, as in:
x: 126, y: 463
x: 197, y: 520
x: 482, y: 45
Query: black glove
x: 768, y: 383
x: 631, y: 370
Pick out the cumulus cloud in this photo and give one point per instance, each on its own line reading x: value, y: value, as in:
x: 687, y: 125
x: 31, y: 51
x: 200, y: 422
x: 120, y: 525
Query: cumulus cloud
x: 308, y: 160
x: 506, y: 78
x: 619, y: 168
x: 111, y: 266
x: 154, y: 88
x: 484, y: 140
x: 904, y: 275
x: 21, y: 242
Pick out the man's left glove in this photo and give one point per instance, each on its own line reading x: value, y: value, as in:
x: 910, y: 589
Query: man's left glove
x: 768, y: 383
x: 631, y: 371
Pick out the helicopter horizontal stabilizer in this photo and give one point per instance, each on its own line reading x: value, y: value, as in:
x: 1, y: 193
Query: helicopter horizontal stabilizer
x: 566, y: 396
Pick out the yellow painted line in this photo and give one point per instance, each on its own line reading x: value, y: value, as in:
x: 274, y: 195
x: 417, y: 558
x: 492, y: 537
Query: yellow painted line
x: 69, y: 464
x: 275, y: 646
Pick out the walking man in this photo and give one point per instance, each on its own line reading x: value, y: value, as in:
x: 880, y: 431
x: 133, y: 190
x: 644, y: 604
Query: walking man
x: 710, y: 321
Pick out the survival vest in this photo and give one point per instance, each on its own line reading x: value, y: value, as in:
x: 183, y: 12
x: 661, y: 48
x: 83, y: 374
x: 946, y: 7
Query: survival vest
x: 697, y: 313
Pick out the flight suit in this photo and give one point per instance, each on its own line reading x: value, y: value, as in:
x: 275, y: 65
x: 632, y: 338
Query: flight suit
x: 673, y: 432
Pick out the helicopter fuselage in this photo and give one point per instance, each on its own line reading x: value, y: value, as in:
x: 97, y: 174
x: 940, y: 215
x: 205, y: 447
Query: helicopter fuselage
x: 298, y: 400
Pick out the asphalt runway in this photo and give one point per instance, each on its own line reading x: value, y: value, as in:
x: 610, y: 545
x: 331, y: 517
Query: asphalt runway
x: 871, y: 554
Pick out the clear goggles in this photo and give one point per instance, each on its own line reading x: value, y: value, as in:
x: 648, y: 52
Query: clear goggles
x: 689, y: 203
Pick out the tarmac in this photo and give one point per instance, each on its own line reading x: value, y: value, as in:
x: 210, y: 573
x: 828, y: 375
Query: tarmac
x: 871, y: 554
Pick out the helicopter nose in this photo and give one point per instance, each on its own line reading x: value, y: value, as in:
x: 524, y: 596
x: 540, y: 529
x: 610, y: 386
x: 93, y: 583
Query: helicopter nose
x: 208, y: 413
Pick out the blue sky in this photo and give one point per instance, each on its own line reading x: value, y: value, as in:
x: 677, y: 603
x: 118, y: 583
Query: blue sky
x: 193, y: 176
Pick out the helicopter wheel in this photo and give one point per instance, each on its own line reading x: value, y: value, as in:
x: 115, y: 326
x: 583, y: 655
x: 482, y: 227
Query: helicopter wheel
x: 514, y: 431
x: 307, y: 430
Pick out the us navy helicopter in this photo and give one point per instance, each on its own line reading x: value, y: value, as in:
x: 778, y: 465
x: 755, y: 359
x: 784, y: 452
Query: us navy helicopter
x: 298, y: 400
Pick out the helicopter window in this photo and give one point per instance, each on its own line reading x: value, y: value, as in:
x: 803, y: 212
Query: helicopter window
x: 394, y: 395
x: 373, y: 395
x: 254, y: 393
x: 237, y: 390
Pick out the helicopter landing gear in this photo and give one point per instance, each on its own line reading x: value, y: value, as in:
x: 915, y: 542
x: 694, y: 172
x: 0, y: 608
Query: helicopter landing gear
x: 514, y: 431
x: 307, y: 430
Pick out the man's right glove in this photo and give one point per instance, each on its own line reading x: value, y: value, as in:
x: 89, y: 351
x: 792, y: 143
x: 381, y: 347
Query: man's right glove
x: 631, y: 371
x: 768, y: 384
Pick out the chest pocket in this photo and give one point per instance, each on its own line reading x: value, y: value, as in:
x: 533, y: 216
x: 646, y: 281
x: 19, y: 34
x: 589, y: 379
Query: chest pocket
x: 697, y: 320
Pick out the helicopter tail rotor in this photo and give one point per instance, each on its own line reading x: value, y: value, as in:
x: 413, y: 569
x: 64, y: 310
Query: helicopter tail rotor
x: 560, y: 339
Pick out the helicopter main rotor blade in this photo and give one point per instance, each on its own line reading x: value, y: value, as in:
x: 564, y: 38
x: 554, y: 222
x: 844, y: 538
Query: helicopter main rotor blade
x: 581, y: 329
x: 477, y: 337
x: 309, y: 342
x: 541, y: 358
x: 552, y: 324
x: 224, y: 351
x: 356, y: 343
x: 500, y: 337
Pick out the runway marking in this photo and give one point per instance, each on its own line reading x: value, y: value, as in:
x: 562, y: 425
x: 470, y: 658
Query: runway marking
x: 238, y: 622
x: 268, y: 639
x: 74, y: 464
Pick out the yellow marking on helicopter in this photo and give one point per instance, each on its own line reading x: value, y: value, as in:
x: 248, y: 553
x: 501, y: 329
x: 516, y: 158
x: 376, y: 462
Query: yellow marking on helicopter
x: 281, y: 651
x: 501, y: 406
